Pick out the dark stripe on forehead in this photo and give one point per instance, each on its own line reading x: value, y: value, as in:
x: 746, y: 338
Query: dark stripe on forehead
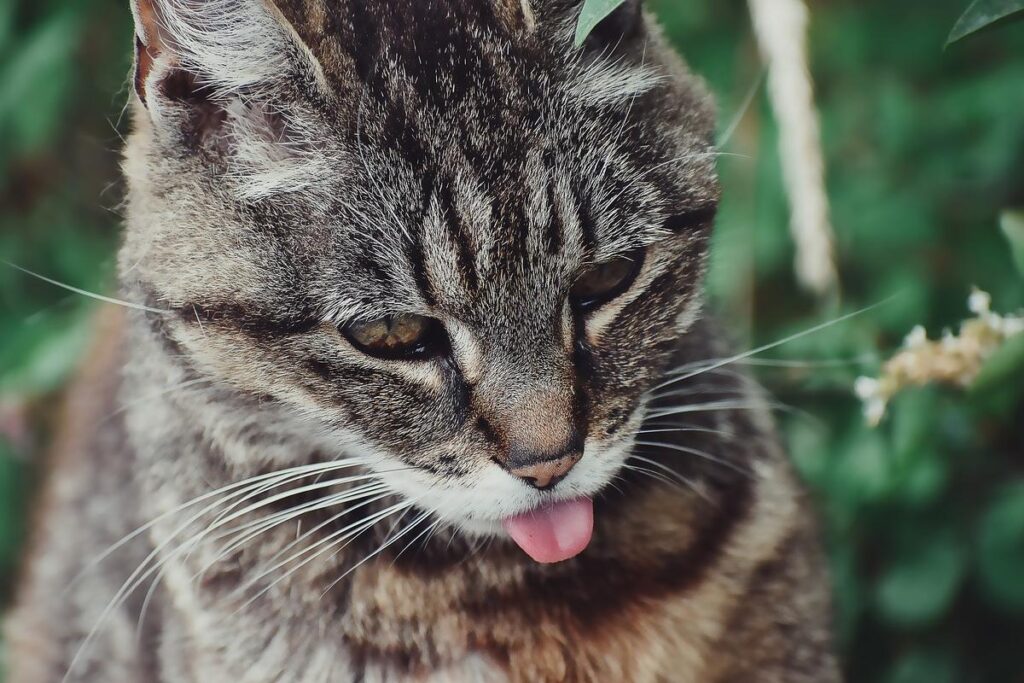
x: 418, y: 267
x: 588, y: 228
x: 555, y: 228
x: 364, y: 38
x: 461, y: 237
x: 517, y: 228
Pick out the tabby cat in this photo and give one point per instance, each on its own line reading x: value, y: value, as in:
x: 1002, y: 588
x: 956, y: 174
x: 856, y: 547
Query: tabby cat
x: 412, y: 380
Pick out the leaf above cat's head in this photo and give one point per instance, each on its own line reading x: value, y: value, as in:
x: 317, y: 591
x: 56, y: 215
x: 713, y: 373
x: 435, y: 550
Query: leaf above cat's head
x: 606, y: 18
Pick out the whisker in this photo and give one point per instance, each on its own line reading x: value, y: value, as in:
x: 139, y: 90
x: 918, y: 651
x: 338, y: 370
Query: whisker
x: 376, y: 552
x: 144, y: 571
x: 328, y: 522
x: 673, y: 479
x: 86, y: 293
x: 721, y: 394
x: 809, y: 364
x: 713, y: 406
x: 699, y: 453
x: 316, y: 486
x: 347, y: 535
x: 261, y: 526
x: 659, y: 476
x: 349, y: 531
x: 426, y: 531
x: 674, y: 475
x: 748, y: 101
x: 775, y: 344
x: 277, y: 478
x: 698, y: 430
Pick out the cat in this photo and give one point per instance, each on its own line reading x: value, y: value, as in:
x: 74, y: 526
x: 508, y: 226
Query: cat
x: 412, y: 380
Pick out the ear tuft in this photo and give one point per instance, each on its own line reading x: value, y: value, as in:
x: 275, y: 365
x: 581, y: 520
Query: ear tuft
x: 206, y: 118
x: 148, y: 43
x: 143, y: 65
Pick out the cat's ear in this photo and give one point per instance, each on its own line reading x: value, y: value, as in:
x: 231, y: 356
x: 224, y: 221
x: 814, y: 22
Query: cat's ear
x: 202, y: 53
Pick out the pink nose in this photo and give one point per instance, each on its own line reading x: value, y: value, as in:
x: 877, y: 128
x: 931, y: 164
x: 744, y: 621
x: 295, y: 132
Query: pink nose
x: 546, y: 474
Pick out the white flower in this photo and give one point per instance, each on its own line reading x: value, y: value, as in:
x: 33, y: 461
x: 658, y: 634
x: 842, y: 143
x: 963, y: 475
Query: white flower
x: 956, y: 358
x: 949, y: 340
x: 979, y: 303
x: 866, y: 388
x: 874, y: 411
x: 917, y: 337
x: 1012, y: 326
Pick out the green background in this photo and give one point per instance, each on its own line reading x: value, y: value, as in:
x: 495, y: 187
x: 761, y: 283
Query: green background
x: 924, y: 516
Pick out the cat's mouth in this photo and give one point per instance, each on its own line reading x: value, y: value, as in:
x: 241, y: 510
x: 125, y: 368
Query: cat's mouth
x: 553, y: 533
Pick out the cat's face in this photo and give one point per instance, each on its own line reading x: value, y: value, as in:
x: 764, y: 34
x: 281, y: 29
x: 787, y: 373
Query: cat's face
x: 435, y: 228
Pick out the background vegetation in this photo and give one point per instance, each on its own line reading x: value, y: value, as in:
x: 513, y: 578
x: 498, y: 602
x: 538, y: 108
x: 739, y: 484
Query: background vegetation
x: 924, y: 516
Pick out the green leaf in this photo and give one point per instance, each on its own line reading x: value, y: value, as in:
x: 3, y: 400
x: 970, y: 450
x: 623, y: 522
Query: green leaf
x: 35, y: 83
x: 1012, y: 223
x: 594, y: 11
x: 918, y: 589
x: 983, y: 13
x: 1005, y: 365
x: 1001, y: 543
x: 924, y: 666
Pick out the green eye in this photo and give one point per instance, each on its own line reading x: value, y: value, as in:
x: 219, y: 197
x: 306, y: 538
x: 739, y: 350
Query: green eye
x: 606, y: 281
x: 396, y: 337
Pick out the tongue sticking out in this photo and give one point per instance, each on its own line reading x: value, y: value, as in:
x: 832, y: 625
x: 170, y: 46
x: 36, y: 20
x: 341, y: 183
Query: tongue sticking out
x: 555, y: 533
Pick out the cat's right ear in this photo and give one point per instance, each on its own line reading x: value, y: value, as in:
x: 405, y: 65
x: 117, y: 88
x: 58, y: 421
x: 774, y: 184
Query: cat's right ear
x: 233, y: 81
x: 218, y: 49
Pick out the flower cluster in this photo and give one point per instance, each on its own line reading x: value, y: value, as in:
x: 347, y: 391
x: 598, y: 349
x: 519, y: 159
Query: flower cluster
x: 954, y: 359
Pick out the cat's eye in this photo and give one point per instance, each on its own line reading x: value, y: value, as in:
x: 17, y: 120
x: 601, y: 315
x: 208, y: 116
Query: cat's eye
x: 397, y: 337
x: 606, y: 281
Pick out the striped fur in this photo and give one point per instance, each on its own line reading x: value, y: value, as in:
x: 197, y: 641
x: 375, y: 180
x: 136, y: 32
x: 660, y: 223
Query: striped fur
x: 303, y: 164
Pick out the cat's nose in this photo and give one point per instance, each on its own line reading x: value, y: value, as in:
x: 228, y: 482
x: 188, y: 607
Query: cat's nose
x: 537, y: 434
x: 545, y: 474
x: 544, y: 468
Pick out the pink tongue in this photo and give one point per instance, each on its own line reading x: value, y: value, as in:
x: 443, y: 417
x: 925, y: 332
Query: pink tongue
x: 555, y: 533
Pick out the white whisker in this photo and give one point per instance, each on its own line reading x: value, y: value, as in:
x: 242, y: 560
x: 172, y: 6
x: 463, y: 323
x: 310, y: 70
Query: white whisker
x: 280, y: 477
x: 376, y: 552
x: 772, y: 345
x: 748, y: 101
x: 698, y: 430
x: 86, y: 293
x: 349, y: 531
x: 672, y: 477
x: 699, y: 453
x: 142, y: 573
x: 261, y: 526
x: 346, y: 534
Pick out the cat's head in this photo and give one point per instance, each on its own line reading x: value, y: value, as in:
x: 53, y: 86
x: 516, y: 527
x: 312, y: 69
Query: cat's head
x: 434, y: 227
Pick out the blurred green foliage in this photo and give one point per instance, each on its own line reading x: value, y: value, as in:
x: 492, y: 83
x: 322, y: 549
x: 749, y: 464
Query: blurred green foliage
x: 923, y: 517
